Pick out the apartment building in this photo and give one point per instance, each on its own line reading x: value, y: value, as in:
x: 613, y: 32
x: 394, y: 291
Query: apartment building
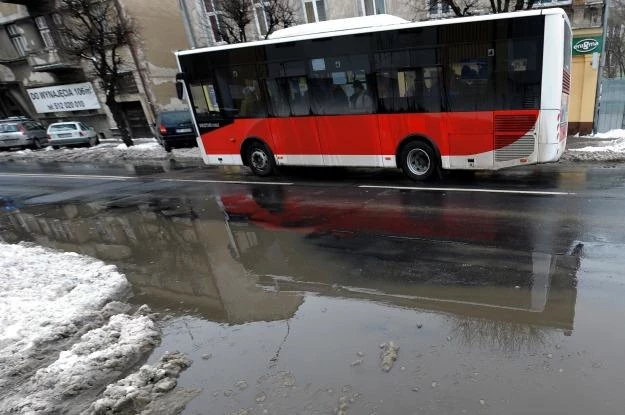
x: 33, y: 65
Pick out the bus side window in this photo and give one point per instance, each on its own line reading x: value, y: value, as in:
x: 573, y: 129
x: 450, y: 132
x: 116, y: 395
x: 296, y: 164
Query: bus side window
x: 297, y: 87
x: 468, y: 78
x: 275, y: 87
x: 299, y: 99
x: 339, y: 85
x: 240, y: 91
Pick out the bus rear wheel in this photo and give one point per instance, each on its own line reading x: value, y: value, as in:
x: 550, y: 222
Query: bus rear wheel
x: 260, y: 159
x: 418, y: 161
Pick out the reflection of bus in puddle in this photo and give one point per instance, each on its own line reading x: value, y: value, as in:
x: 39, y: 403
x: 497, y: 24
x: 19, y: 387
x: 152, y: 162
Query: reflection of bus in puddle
x: 394, y: 252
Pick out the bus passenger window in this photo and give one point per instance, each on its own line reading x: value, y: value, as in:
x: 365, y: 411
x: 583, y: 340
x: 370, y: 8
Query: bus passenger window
x: 279, y: 103
x: 468, y: 77
x: 339, y: 85
x: 299, y: 99
x: 240, y: 92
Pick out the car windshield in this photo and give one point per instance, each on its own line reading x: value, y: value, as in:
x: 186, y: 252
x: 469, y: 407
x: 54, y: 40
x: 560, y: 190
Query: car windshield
x: 8, y: 128
x: 57, y: 127
x: 177, y: 117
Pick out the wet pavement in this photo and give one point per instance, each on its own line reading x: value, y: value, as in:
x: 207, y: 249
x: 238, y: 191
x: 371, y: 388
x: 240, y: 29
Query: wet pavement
x: 286, y: 292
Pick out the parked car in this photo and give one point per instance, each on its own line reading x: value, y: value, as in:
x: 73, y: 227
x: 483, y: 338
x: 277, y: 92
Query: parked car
x: 72, y: 133
x: 19, y: 132
x: 175, y: 129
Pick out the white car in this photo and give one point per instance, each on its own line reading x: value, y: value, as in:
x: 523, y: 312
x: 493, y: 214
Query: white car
x: 72, y: 134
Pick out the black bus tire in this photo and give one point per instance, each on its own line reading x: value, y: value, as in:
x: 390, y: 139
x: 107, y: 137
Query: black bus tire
x: 419, y: 161
x: 260, y: 159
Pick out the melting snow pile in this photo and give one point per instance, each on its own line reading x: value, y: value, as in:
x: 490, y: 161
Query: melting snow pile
x: 612, y: 134
x: 611, y: 150
x: 143, y: 390
x: 64, y: 336
x: 144, y: 149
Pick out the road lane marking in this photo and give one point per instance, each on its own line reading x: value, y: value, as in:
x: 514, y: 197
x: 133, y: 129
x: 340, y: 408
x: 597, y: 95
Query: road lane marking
x: 460, y: 189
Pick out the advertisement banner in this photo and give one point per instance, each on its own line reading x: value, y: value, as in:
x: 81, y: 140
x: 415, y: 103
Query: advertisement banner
x: 59, y: 98
x: 587, y: 44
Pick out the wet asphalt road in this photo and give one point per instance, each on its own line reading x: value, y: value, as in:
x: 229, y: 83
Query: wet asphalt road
x: 502, y: 290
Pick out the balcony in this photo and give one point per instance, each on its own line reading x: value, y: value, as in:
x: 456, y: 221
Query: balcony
x: 50, y: 60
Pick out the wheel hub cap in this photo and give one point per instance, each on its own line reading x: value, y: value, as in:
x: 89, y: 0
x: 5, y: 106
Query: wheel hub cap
x: 418, y: 161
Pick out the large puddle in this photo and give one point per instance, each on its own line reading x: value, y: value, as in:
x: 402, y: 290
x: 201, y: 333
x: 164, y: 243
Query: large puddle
x: 287, y: 298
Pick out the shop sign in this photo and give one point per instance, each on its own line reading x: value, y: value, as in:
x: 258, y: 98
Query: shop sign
x: 587, y: 44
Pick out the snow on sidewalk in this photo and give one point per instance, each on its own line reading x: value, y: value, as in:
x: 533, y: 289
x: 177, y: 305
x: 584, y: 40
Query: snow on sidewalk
x: 64, y: 335
x: 107, y: 152
x: 604, y: 150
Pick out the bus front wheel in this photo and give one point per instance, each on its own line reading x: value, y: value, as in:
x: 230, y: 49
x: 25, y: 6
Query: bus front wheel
x: 260, y: 160
x: 418, y: 161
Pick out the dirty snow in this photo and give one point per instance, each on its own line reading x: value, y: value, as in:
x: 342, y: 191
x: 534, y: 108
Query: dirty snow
x: 609, y: 150
x: 388, y: 355
x: 65, y: 337
x: 612, y: 134
x: 147, y: 149
x: 140, y: 391
x: 46, y: 296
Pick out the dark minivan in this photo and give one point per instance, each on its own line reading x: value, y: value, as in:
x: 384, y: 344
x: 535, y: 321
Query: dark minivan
x: 175, y: 129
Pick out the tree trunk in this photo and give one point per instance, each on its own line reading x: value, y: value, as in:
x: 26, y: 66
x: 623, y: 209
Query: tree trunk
x: 119, y: 120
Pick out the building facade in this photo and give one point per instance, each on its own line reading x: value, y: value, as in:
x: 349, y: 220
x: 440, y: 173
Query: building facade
x: 33, y: 66
x: 586, y: 16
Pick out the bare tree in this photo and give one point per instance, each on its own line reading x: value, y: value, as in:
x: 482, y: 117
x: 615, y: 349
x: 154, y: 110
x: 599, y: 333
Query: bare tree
x: 234, y: 16
x: 615, y: 41
x: 97, y: 32
x: 462, y: 8
x: 459, y: 8
x: 279, y: 13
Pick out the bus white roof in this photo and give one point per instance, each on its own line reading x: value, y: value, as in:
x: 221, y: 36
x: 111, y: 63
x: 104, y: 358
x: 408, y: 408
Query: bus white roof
x: 338, y: 25
x: 376, y: 28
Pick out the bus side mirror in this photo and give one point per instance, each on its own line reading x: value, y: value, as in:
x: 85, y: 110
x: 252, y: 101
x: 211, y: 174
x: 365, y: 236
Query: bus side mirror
x: 179, y: 89
x: 179, y: 85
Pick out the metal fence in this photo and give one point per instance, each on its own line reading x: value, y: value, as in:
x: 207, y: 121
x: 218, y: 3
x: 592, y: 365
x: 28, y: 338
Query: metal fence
x: 611, y: 105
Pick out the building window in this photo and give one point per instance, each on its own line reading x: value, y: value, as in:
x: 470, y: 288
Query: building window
x: 438, y: 8
x: 44, y: 31
x: 315, y: 11
x: 18, y: 40
x: 213, y: 20
x: 370, y: 7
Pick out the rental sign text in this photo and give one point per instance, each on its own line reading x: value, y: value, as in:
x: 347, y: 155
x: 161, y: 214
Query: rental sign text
x: 60, y: 98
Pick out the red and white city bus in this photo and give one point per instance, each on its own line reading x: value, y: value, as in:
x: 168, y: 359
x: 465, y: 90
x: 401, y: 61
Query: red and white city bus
x: 476, y: 93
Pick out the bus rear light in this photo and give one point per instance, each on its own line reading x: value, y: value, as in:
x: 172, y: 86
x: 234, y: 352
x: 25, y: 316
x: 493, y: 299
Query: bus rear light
x: 162, y: 129
x: 523, y: 160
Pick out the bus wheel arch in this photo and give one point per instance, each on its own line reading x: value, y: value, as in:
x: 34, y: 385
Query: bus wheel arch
x: 419, y: 158
x: 256, y: 154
